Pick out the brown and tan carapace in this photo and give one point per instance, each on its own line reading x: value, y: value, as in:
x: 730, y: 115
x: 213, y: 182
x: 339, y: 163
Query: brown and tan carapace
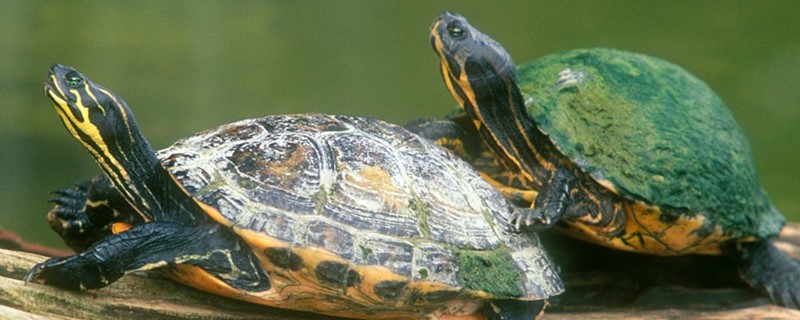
x: 336, y: 215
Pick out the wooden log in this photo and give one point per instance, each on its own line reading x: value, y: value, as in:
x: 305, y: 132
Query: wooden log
x: 11, y: 241
x: 674, y: 295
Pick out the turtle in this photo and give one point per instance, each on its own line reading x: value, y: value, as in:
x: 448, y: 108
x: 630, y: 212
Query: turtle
x: 616, y: 148
x: 330, y: 214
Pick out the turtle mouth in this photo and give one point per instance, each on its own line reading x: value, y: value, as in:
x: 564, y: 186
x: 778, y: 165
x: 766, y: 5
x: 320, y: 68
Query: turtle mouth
x: 438, y: 20
x: 51, y: 83
x: 53, y: 92
x: 60, y: 97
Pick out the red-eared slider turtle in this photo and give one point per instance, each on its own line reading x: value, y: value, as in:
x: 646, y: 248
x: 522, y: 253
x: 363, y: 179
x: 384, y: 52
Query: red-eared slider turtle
x: 330, y: 214
x: 625, y: 150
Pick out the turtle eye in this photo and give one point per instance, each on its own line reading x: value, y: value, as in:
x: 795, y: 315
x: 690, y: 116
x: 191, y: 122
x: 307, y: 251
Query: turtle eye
x: 73, y: 79
x: 456, y: 31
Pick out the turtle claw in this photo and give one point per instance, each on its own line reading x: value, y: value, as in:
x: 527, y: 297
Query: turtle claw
x: 41, y: 272
x: 33, y: 274
x: 549, y: 206
x: 532, y: 219
x: 67, y: 273
x: 69, y: 217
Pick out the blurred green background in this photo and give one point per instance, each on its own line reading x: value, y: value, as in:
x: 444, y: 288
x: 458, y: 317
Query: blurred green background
x: 184, y: 66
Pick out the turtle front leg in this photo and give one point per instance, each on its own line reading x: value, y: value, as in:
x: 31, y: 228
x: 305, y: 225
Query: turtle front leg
x: 85, y: 213
x: 152, y: 245
x: 549, y: 206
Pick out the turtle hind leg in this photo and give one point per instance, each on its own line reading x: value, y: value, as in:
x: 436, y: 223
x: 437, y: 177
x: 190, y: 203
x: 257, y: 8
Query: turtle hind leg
x: 772, y: 272
x: 513, y: 309
x: 152, y: 245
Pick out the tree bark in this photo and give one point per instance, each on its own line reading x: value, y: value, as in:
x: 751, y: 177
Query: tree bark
x: 150, y: 296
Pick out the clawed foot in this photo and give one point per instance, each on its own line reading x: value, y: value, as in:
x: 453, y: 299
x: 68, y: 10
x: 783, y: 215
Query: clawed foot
x: 68, y: 218
x: 55, y: 272
x: 549, y: 206
x: 78, y: 272
x: 532, y: 219
x: 77, y: 219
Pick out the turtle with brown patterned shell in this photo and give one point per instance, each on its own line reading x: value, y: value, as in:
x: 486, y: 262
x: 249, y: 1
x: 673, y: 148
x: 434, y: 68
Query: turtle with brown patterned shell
x: 616, y: 148
x: 336, y: 215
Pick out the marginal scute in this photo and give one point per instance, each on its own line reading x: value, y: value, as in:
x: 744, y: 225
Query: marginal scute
x: 440, y: 264
x: 390, y: 289
x: 337, y: 275
x: 424, y: 297
x: 274, y: 222
x: 495, y: 269
x: 284, y: 258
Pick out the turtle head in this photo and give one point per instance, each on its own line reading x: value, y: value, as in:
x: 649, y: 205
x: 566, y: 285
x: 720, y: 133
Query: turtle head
x: 482, y: 78
x: 95, y: 116
x: 470, y: 60
x: 102, y: 122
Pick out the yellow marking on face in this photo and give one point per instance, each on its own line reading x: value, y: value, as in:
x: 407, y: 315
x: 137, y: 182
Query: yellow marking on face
x: 121, y: 111
x: 449, y: 84
x: 466, y: 88
x: 94, y: 98
x: 74, y: 126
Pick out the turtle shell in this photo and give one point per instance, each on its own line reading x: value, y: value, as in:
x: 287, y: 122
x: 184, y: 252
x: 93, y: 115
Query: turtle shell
x: 360, y: 218
x: 650, y: 131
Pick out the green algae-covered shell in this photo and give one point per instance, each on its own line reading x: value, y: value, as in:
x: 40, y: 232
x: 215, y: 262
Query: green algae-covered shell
x: 652, y: 131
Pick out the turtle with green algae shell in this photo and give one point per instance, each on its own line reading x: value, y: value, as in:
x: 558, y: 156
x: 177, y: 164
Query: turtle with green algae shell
x: 337, y: 215
x: 615, y: 148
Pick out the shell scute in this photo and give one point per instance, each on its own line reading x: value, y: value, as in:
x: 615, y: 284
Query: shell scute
x: 337, y: 275
x: 394, y: 254
x: 282, y: 173
x: 284, y: 258
x: 435, y: 263
x: 323, y: 234
x: 368, y: 190
x: 390, y: 289
x: 245, y: 132
x: 456, y: 203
